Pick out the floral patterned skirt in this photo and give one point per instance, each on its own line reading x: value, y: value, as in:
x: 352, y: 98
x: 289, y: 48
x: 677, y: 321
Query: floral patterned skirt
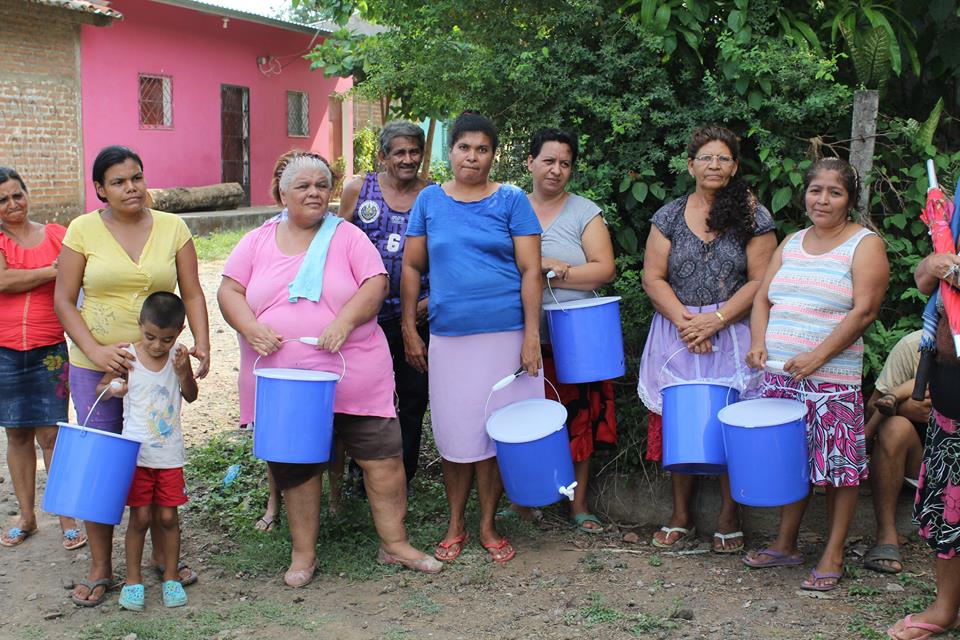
x: 937, y: 506
x: 33, y: 386
x: 836, y: 444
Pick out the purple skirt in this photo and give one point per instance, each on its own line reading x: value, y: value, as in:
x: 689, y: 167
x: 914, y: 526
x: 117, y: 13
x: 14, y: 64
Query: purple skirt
x: 108, y: 415
x: 667, y: 361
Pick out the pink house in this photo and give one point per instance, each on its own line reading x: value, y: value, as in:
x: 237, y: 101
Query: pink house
x: 206, y: 94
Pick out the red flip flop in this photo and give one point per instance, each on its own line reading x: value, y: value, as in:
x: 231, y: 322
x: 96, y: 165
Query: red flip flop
x: 443, y: 552
x: 495, y: 549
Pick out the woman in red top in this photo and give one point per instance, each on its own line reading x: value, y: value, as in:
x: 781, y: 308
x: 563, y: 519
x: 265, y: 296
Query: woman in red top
x: 33, y: 353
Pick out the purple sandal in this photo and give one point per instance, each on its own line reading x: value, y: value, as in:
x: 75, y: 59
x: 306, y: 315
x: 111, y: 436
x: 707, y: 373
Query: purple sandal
x: 811, y: 585
x: 776, y: 559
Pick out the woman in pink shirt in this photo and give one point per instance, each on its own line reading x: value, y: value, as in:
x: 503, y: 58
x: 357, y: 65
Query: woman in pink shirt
x: 33, y: 353
x: 255, y: 300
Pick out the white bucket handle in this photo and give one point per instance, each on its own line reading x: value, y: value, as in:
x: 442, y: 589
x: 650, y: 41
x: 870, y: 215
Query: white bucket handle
x: 566, y: 491
x: 550, y: 276
x: 114, y: 385
x: 313, y: 342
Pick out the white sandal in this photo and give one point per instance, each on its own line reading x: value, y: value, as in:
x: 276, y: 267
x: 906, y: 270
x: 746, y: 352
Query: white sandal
x: 723, y: 537
x: 685, y: 534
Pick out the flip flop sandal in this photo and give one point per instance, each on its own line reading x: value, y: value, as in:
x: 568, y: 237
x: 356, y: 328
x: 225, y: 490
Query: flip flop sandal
x: 685, y: 534
x: 267, y: 526
x: 883, y: 552
x: 132, y: 597
x: 186, y: 582
x: 816, y: 576
x: 73, y: 539
x: 723, y: 538
x: 934, y: 629
x: 16, y: 536
x: 106, y: 583
x: 494, y: 549
x: 886, y: 407
x: 581, y: 519
x: 777, y: 559
x: 443, y: 553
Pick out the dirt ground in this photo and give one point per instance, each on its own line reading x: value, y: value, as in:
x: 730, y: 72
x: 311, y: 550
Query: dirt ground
x: 560, y: 585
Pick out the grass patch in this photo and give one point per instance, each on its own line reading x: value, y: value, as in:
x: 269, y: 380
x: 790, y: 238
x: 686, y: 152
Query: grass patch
x: 218, y: 245
x: 864, y: 631
x: 646, y: 622
x: 422, y: 602
x: 862, y: 590
x: 205, y: 624
x: 596, y: 613
x: 347, y: 544
x: 655, y: 560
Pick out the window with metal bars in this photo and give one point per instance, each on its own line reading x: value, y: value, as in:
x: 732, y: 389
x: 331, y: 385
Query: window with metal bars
x: 156, y: 102
x: 298, y: 114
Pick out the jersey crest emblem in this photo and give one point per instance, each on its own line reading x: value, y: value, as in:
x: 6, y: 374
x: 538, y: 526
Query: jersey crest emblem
x: 368, y: 211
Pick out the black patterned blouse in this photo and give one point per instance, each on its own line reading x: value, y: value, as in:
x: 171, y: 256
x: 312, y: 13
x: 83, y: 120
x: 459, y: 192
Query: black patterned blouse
x: 703, y: 273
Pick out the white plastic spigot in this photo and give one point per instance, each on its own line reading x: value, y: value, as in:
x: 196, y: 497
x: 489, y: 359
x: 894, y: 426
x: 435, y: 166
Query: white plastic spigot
x: 568, y: 490
x: 311, y: 341
x: 551, y: 274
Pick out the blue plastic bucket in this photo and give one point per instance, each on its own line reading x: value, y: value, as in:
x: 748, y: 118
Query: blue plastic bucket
x: 533, y: 451
x: 586, y: 338
x: 90, y: 474
x: 692, y: 437
x: 294, y: 415
x: 766, y: 441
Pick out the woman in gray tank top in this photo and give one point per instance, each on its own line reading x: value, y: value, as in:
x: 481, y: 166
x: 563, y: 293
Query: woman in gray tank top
x: 575, y: 246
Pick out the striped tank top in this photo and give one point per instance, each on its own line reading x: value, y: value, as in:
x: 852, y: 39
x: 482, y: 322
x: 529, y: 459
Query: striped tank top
x: 810, y: 295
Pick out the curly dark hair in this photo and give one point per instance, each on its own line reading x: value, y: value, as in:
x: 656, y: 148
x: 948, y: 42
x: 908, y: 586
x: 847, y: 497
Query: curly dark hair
x: 734, y: 207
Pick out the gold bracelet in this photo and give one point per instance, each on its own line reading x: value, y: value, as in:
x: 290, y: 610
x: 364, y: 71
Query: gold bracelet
x: 722, y: 319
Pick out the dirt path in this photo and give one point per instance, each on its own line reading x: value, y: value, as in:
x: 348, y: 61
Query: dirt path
x: 561, y: 585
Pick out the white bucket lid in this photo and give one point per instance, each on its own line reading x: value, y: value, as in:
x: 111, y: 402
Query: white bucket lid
x: 526, y: 421
x: 296, y: 374
x: 99, y: 432
x: 762, y: 412
x: 580, y: 304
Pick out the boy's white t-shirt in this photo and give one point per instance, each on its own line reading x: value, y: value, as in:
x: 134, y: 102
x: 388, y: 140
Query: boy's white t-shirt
x: 151, y: 414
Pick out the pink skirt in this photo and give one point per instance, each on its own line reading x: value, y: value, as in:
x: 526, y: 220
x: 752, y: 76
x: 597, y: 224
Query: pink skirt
x: 462, y: 370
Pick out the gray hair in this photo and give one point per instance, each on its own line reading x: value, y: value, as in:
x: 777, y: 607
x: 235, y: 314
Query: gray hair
x: 400, y: 129
x: 300, y: 163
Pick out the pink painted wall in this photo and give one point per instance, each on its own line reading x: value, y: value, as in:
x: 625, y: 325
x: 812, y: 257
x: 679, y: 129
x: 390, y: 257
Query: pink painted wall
x: 200, y: 55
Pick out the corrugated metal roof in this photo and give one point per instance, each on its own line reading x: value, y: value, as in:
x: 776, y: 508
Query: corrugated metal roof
x: 220, y: 9
x: 83, y: 6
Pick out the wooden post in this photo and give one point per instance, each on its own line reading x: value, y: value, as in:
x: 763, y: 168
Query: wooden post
x: 863, y: 137
x: 428, y: 150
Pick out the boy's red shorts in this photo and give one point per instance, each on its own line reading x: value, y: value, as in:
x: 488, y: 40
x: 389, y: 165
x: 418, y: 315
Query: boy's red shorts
x: 163, y: 487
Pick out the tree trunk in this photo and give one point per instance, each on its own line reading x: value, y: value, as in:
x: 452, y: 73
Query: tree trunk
x: 863, y: 137
x: 214, y: 197
x: 428, y: 151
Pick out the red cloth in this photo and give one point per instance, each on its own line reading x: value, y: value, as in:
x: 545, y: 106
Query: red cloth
x: 162, y: 487
x: 27, y: 320
x: 592, y: 416
x: 654, y: 436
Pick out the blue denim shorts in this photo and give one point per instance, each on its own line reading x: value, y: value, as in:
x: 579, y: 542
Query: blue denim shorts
x: 34, y: 386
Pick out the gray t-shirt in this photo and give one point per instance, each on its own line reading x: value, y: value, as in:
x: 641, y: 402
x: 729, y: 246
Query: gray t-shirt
x: 563, y: 240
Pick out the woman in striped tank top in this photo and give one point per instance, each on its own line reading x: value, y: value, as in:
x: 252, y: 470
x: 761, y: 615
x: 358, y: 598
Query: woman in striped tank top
x: 823, y: 288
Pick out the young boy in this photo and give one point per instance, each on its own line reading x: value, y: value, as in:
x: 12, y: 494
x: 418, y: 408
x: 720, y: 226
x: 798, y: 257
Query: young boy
x: 160, y: 376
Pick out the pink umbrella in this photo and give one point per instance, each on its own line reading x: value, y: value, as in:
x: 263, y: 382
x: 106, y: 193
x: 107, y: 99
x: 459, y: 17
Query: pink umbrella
x: 937, y: 215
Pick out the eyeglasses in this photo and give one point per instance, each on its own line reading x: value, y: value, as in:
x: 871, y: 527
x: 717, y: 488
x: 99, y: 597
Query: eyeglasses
x: 708, y: 158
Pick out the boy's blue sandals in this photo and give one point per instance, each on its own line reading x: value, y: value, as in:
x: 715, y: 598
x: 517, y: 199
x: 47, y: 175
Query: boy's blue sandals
x: 131, y: 597
x: 173, y: 594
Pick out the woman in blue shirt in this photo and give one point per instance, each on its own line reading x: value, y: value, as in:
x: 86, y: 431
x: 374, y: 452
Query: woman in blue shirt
x: 480, y: 242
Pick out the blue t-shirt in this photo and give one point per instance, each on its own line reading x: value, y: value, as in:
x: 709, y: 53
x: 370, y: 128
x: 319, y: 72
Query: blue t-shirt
x: 474, y: 280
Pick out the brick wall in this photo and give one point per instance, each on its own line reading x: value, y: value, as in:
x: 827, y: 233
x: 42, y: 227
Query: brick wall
x: 40, y: 132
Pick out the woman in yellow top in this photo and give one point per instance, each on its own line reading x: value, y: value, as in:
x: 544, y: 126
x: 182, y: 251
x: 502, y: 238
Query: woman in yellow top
x: 119, y: 255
